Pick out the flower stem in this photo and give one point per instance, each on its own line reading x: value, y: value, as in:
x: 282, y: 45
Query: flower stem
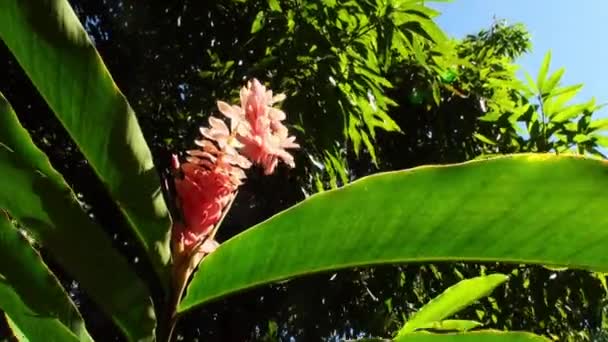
x: 179, y: 287
x: 183, y: 269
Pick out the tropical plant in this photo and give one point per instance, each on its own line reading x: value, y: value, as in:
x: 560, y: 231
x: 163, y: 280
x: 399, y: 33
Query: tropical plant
x: 555, y: 124
x: 393, y: 217
x: 432, y: 316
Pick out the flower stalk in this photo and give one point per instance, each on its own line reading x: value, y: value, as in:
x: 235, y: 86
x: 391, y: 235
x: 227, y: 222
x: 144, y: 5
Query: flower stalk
x: 207, y: 183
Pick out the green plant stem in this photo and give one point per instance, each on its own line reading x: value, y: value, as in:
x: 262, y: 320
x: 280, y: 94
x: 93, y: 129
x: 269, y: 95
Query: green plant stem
x: 174, y: 302
x: 182, y: 272
x: 544, y: 127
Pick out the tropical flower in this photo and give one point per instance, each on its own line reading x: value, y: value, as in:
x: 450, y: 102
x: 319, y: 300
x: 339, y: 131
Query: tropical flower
x: 202, y: 194
x: 259, y: 128
x: 207, y: 182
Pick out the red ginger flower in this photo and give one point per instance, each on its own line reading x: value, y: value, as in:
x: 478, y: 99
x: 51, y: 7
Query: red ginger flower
x: 207, y: 183
x: 209, y: 179
x: 202, y: 194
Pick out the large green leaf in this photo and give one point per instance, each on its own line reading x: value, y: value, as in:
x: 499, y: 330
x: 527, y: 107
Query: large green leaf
x: 37, y: 286
x: 572, y: 111
x: 542, y: 73
x: 54, y: 50
x: 38, y: 197
x: 552, y: 82
x: 452, y: 300
x: 480, y: 336
x: 555, y: 103
x: 26, y: 324
x: 451, y: 325
x: 525, y: 208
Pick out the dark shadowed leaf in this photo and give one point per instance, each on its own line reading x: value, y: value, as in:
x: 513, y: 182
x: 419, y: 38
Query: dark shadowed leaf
x: 38, y: 197
x: 36, y: 286
x: 25, y: 325
x: 54, y: 50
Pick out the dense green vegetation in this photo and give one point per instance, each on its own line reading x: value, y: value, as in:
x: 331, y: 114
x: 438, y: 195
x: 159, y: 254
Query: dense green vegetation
x: 371, y: 86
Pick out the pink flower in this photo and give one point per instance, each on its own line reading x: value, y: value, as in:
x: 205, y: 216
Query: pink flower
x: 208, y: 181
x: 203, y: 194
x: 206, y: 184
x: 259, y: 128
x: 219, y: 151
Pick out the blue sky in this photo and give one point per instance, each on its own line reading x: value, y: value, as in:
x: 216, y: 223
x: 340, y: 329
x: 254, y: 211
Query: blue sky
x: 575, y: 32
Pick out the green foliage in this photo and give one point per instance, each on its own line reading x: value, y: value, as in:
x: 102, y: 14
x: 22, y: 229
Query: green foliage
x: 333, y: 60
x: 494, y: 336
x: 451, y: 301
x: 26, y: 325
x: 488, y: 335
x: 554, y: 124
x: 31, y: 294
x: 53, y: 48
x: 451, y: 325
x: 370, y: 84
x: 476, y: 204
x: 533, y: 118
x: 37, y: 197
x: 510, y: 41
